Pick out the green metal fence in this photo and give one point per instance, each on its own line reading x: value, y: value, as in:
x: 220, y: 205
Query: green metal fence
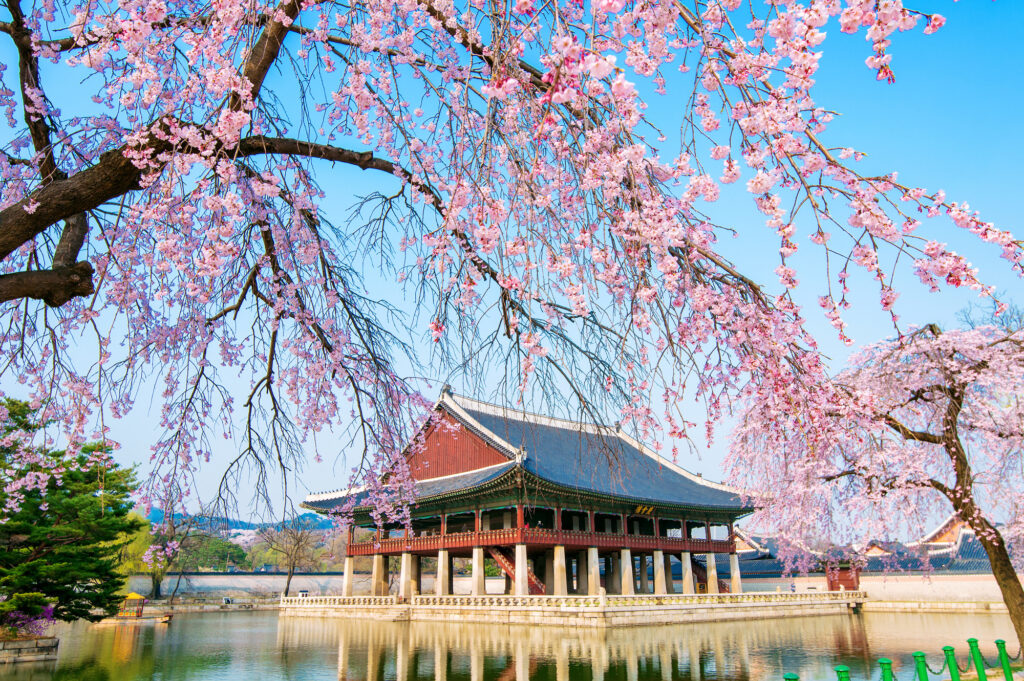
x: 950, y: 668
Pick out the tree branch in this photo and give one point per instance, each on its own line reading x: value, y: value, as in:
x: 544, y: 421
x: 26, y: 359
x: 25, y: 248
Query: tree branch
x: 54, y: 287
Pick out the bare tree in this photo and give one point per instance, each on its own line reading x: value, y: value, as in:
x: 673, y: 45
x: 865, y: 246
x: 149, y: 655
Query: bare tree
x: 295, y: 541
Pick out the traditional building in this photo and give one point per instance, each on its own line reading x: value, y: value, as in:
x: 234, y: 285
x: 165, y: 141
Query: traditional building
x: 561, y: 507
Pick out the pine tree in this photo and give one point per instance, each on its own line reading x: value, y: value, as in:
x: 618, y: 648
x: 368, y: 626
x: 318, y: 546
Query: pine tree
x: 60, y: 546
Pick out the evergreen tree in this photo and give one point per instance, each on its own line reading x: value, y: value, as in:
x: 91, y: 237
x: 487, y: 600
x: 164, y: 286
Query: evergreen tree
x: 60, y: 545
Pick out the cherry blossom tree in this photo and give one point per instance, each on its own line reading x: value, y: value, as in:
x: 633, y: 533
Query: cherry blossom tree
x: 173, y: 213
x: 917, y: 425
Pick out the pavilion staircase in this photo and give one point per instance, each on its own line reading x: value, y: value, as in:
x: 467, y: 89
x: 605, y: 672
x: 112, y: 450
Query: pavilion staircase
x: 508, y: 566
x: 700, y: 576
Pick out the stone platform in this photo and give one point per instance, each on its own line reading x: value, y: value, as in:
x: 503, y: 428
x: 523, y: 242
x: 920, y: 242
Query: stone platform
x: 29, y: 650
x: 575, y: 611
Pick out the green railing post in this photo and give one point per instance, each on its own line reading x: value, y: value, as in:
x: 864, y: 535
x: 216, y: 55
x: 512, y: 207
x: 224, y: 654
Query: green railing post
x: 886, y: 665
x: 954, y: 671
x: 842, y: 672
x: 920, y: 666
x: 1004, y: 659
x: 979, y: 663
x: 791, y: 677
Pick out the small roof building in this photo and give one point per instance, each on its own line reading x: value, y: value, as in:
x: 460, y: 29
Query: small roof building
x: 561, y: 507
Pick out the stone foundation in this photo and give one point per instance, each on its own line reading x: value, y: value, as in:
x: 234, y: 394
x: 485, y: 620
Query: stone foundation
x: 29, y: 650
x: 575, y: 611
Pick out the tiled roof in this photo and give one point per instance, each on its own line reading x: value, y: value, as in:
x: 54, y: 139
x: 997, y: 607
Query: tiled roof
x: 425, y: 489
x: 596, y: 460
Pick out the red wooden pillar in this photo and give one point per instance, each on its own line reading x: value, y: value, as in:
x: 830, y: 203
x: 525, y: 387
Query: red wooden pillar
x: 520, y: 523
x: 444, y: 524
x: 476, y: 521
x: 656, y: 532
x: 558, y: 519
x: 732, y: 539
x: 625, y: 524
x: 590, y: 522
x: 707, y: 532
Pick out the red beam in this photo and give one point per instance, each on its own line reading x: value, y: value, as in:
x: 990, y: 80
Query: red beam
x: 539, y: 537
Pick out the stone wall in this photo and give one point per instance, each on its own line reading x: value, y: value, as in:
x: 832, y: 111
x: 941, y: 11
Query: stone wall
x: 29, y: 650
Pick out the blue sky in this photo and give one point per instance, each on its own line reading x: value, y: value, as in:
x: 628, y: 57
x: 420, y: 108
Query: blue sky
x: 950, y: 121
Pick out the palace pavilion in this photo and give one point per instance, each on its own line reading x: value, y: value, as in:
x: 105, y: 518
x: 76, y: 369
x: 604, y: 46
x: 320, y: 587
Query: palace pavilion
x: 561, y: 507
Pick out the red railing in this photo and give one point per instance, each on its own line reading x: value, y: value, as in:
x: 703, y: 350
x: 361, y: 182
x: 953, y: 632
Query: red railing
x: 539, y: 537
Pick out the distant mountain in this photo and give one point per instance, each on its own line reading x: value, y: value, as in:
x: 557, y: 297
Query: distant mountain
x: 220, y: 523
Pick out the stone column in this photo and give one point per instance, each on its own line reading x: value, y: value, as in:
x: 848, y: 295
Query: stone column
x: 593, y: 572
x: 522, y: 584
x: 712, y: 573
x: 582, y: 573
x: 613, y: 576
x: 644, y: 585
x: 628, y: 579
x: 734, y: 571
x: 441, y: 579
x: 479, y: 586
x: 688, y: 587
x: 415, y: 576
x: 659, y: 573
x: 560, y: 585
x: 670, y: 584
x: 547, y: 570
x: 405, y: 576
x: 378, y: 576
x: 346, y: 583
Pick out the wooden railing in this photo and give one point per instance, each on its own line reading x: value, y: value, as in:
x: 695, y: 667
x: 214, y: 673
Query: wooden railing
x: 541, y: 537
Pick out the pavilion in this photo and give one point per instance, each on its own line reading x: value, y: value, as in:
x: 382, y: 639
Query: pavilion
x: 562, y: 507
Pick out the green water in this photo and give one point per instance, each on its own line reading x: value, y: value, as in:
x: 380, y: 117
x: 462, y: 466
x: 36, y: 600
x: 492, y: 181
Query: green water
x: 261, y: 647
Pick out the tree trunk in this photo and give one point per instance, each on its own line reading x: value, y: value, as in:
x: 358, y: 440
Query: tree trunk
x: 154, y: 580
x: 1006, y: 578
x: 288, y: 583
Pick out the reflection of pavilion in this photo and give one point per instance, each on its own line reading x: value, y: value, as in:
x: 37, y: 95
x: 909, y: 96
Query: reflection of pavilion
x: 445, y: 652
x: 559, y: 507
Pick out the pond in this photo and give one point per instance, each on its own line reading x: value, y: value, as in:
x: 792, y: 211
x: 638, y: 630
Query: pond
x: 257, y: 646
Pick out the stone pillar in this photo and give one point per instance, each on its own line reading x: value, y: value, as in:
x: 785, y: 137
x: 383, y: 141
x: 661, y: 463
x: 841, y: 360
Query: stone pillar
x: 712, y: 573
x: 688, y: 587
x: 560, y: 573
x: 378, y: 576
x: 670, y: 584
x: 628, y: 579
x: 593, y: 572
x: 441, y: 579
x: 734, y: 571
x: 659, y: 573
x: 405, y: 578
x: 582, y: 573
x: 479, y: 587
x: 346, y: 583
x: 548, y: 571
x: 613, y: 576
x: 415, y: 576
x: 522, y: 584
x: 644, y: 581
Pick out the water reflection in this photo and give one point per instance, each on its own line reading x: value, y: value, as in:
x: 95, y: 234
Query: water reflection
x: 764, y: 649
x: 230, y: 646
